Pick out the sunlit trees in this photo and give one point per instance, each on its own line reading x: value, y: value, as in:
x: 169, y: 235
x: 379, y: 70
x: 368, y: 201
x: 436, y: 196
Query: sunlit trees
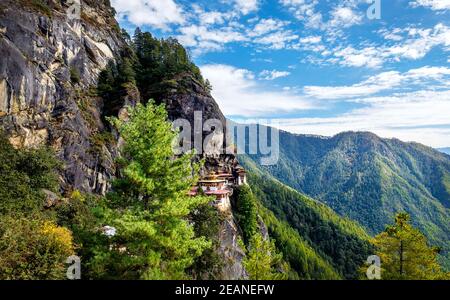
x: 150, y: 203
x: 246, y: 212
x: 262, y: 260
x: 32, y: 245
x: 405, y: 253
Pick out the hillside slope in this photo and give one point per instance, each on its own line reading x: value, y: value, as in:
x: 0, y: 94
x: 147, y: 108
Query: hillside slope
x: 324, y: 235
x: 369, y: 179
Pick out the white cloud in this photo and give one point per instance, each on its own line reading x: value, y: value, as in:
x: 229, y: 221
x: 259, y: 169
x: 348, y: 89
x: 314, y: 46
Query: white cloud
x: 274, y: 74
x: 392, y: 35
x: 305, y: 10
x: 344, y: 17
x: 239, y: 94
x: 155, y: 13
x: 203, y: 38
x: 212, y: 17
x: 433, y: 4
x: 247, y: 6
x: 385, y: 81
x: 415, y: 45
x: 417, y: 116
x: 277, y: 40
x: 367, y: 57
x: 311, y: 39
x: 265, y: 26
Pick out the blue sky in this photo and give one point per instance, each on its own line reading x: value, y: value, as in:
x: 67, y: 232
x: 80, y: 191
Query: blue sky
x: 317, y: 67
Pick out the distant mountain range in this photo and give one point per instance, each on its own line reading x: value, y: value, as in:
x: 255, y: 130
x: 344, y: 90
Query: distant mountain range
x: 444, y: 150
x: 368, y: 179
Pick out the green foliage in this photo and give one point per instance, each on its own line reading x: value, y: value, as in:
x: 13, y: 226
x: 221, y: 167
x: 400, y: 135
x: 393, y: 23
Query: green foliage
x: 208, y: 86
x: 151, y: 66
x: 160, y: 62
x: 38, y: 5
x: 207, y: 222
x: 246, y: 212
x: 446, y: 181
x: 369, y: 179
x: 117, y: 81
x: 33, y: 249
x: 305, y: 262
x: 23, y: 174
x: 262, y: 260
x: 32, y: 246
x: 74, y: 75
x: 405, y: 254
x: 341, y: 242
x: 100, y: 140
x: 126, y: 71
x: 150, y: 204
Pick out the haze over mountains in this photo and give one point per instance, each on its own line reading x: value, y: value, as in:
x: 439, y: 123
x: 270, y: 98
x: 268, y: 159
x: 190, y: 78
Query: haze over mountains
x: 444, y: 150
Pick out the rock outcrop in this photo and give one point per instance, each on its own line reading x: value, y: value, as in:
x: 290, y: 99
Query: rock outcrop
x: 49, y: 69
x: 49, y: 62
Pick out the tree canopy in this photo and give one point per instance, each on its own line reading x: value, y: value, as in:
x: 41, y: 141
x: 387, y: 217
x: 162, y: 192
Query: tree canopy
x: 405, y: 253
x: 149, y: 205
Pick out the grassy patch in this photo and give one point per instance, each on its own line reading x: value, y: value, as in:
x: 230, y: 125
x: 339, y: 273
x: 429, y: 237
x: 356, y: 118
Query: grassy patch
x: 38, y: 5
x: 74, y: 75
x: 101, y: 139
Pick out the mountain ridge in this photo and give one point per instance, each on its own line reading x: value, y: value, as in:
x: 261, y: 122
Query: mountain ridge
x: 368, y: 179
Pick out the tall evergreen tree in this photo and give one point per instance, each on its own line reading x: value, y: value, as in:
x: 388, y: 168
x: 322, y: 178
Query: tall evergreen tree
x: 246, y: 212
x: 405, y: 253
x: 262, y: 260
x: 150, y: 202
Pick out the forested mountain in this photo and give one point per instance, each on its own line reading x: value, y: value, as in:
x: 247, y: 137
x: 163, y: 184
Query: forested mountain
x: 369, y: 179
x: 62, y: 82
x: 307, y: 231
x: 88, y: 167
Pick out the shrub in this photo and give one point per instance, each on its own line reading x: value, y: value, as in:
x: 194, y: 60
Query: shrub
x: 23, y: 174
x: 38, y: 5
x: 74, y: 75
x: 33, y: 249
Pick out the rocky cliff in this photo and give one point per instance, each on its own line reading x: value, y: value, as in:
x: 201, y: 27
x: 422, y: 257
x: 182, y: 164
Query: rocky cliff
x: 48, y: 64
x: 49, y: 70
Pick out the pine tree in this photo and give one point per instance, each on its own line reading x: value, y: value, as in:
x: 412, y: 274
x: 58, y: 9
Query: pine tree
x: 150, y: 203
x: 208, y: 85
x: 126, y: 71
x: 246, y: 214
x: 262, y: 259
x: 405, y: 254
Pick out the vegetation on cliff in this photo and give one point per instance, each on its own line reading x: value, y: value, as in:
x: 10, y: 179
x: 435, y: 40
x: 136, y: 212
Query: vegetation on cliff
x: 32, y: 245
x: 149, y: 205
x: 148, y: 228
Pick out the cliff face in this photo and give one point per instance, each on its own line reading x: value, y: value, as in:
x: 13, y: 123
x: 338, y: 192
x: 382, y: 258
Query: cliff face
x: 49, y: 70
x: 48, y: 63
